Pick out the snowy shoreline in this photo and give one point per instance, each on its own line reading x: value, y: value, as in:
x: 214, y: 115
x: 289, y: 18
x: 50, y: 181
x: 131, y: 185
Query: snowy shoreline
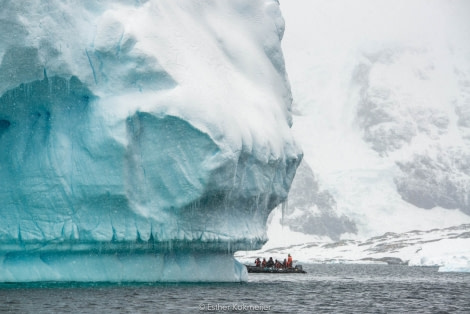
x: 448, y: 249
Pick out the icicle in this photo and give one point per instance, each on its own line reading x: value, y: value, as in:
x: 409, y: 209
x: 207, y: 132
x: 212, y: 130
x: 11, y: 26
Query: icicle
x: 284, y: 208
x: 67, y: 87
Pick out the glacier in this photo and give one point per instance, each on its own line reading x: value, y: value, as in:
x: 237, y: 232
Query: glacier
x: 140, y: 140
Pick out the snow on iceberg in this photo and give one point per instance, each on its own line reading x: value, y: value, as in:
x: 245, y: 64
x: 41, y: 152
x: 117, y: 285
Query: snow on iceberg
x: 140, y: 135
x: 451, y: 255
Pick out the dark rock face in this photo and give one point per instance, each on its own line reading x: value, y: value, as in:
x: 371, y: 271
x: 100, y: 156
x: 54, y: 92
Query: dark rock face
x: 442, y: 181
x: 317, y: 207
x: 389, y: 115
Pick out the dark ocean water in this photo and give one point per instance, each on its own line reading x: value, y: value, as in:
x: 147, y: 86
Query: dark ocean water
x: 331, y: 288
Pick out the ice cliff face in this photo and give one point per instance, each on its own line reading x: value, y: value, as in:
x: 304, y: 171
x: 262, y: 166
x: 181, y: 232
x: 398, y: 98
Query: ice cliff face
x: 151, y: 127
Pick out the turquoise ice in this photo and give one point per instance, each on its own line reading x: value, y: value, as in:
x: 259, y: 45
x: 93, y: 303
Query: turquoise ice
x: 140, y: 141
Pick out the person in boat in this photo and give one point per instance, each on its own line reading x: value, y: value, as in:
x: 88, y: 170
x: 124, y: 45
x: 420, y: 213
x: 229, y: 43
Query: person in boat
x: 258, y: 262
x: 284, y: 263
x: 263, y: 264
x: 270, y: 263
x: 289, y: 261
x: 277, y: 264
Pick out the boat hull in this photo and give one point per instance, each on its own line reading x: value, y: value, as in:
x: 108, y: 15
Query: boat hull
x: 271, y: 270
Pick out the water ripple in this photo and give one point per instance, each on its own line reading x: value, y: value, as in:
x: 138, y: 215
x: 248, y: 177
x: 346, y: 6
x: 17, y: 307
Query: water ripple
x: 324, y: 289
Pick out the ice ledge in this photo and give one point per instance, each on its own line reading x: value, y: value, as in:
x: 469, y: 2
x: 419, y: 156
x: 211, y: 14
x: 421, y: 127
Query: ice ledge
x: 127, y: 247
x: 125, y: 261
x: 120, y: 267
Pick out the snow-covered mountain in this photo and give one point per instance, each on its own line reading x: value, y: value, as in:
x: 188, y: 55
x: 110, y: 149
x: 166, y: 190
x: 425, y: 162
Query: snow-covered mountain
x: 382, y: 95
x: 382, y: 92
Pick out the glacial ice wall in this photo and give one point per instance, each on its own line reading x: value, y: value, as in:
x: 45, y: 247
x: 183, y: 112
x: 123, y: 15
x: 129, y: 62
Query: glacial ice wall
x: 140, y: 126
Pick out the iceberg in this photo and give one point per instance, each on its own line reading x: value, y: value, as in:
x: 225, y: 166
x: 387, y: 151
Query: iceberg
x: 140, y: 140
x: 451, y: 255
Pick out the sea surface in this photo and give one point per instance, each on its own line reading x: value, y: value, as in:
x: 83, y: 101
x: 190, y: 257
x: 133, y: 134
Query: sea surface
x: 326, y: 288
